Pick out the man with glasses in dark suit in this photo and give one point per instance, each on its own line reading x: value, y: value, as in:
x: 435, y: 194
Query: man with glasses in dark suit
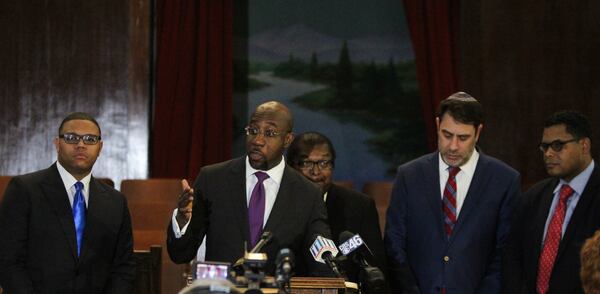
x: 313, y: 155
x: 557, y: 214
x: 62, y: 230
x: 233, y: 202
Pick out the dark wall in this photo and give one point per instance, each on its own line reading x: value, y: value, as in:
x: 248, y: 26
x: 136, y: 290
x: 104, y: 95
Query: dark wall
x: 62, y: 56
x: 525, y: 60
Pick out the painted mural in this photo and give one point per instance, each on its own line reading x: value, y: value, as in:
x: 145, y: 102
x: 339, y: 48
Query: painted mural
x: 346, y: 69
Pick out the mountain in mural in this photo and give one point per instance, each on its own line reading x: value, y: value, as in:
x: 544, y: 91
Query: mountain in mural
x: 278, y: 44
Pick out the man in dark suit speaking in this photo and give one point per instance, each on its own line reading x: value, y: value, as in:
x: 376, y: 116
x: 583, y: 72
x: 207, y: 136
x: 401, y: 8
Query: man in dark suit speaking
x: 347, y: 210
x: 235, y: 201
x: 63, y: 231
x: 558, y: 214
x: 450, y: 210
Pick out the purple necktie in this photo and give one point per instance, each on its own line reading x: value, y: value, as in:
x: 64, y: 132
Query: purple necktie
x: 256, y: 208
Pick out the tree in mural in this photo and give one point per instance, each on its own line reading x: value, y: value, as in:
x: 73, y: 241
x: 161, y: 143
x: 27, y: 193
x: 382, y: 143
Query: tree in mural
x: 344, y: 94
x: 313, y: 68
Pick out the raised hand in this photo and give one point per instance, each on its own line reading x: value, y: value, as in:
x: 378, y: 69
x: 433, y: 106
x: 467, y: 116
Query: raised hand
x: 184, y: 204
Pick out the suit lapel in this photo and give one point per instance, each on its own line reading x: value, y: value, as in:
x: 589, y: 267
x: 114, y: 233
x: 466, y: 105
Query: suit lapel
x: 54, y: 191
x: 591, y: 189
x: 98, y: 209
x: 432, y: 191
x: 540, y: 221
x: 237, y: 191
x: 476, y: 189
x: 283, y: 201
x: 335, y: 215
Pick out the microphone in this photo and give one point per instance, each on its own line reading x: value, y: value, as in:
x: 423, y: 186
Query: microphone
x: 264, y: 239
x: 285, y: 266
x: 349, y: 243
x: 323, y: 250
x: 238, y: 266
x: 371, y: 277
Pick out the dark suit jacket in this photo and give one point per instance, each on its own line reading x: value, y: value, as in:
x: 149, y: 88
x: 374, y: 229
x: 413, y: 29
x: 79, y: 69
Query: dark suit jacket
x: 423, y: 259
x: 525, y: 241
x: 220, y: 212
x: 349, y: 210
x: 37, y: 239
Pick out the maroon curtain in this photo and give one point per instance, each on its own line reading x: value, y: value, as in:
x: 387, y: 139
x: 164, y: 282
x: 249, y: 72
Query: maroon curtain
x: 434, y: 29
x: 192, y: 124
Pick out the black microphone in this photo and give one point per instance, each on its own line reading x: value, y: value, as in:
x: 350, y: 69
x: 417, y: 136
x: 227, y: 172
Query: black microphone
x: 371, y: 277
x: 264, y: 239
x: 238, y: 266
x: 323, y: 250
x: 353, y: 246
x: 285, y: 266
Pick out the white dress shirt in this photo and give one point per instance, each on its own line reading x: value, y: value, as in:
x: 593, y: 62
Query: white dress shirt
x: 578, y: 184
x: 463, y: 178
x: 271, y: 185
x: 69, y: 182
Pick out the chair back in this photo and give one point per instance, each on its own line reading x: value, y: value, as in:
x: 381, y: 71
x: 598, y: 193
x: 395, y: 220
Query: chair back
x: 381, y: 192
x: 345, y: 184
x: 107, y: 181
x: 3, y: 183
x: 151, y: 203
x: 148, y: 266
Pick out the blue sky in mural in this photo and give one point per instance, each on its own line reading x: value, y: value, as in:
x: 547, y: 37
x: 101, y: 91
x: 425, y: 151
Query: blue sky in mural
x: 375, y: 32
x: 346, y: 69
x: 340, y: 18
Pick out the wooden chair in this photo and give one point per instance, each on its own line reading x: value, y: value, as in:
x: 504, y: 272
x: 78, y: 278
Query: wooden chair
x: 3, y: 183
x: 381, y: 193
x: 148, y: 266
x: 107, y: 181
x: 151, y: 203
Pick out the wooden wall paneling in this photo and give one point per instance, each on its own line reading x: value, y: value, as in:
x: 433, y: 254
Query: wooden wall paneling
x: 62, y: 56
x: 524, y: 60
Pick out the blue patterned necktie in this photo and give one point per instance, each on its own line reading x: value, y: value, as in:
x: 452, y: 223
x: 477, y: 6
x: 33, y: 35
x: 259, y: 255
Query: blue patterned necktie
x: 79, y: 214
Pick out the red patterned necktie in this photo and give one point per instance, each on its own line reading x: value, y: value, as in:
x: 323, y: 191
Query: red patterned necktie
x: 553, y: 236
x: 449, y: 200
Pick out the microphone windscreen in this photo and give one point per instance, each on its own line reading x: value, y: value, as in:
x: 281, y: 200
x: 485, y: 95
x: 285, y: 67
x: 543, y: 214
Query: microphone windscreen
x: 283, y: 254
x: 322, y: 245
x: 345, y: 236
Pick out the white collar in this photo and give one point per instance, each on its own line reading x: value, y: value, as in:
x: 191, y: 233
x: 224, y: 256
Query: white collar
x: 69, y: 180
x: 275, y: 173
x: 468, y: 167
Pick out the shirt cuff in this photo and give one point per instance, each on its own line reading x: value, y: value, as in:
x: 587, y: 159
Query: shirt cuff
x: 176, y: 230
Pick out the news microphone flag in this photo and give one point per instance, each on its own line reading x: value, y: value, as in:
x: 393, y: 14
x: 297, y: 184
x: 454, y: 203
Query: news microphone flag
x: 351, y: 244
x: 322, y: 245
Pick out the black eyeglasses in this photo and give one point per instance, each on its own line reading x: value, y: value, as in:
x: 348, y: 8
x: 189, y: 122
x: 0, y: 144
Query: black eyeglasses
x: 309, y: 164
x: 71, y: 138
x: 556, y: 145
x: 269, y: 133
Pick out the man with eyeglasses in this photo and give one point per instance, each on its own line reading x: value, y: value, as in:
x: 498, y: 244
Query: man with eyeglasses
x: 63, y: 231
x: 450, y: 210
x: 557, y: 214
x: 313, y: 155
x: 233, y: 202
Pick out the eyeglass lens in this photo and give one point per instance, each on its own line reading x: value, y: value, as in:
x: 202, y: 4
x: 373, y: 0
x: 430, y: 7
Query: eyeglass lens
x: 74, y: 139
x: 556, y: 145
